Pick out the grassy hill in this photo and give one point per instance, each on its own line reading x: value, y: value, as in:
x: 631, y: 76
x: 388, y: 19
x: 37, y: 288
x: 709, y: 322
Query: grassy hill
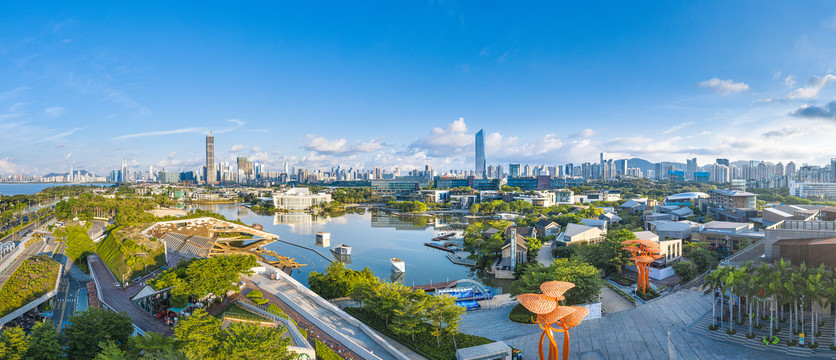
x: 129, y: 256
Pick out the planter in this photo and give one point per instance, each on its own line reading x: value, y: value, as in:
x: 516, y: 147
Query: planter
x: 731, y: 332
x: 792, y: 343
x: 750, y: 336
x: 813, y: 345
x: 713, y: 327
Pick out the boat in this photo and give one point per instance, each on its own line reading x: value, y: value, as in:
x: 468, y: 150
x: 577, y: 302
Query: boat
x: 257, y: 226
x: 398, y: 265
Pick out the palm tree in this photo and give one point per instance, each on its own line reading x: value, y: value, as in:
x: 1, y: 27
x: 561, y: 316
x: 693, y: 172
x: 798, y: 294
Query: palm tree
x: 731, y: 280
x: 783, y: 268
x: 802, y: 272
x: 813, y: 290
x: 712, y: 281
x: 791, y: 290
x: 830, y: 294
x: 749, y: 288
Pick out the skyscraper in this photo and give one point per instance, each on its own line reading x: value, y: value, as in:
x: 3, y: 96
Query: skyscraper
x: 210, y: 159
x: 480, y: 154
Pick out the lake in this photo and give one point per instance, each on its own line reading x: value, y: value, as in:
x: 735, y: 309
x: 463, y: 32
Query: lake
x: 32, y: 188
x: 374, y: 236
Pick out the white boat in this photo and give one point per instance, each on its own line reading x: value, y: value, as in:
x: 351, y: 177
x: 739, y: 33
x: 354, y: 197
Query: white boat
x: 398, y: 265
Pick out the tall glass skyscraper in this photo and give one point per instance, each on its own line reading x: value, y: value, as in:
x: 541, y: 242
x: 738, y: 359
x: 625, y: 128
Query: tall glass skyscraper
x: 480, y: 153
x: 210, y: 159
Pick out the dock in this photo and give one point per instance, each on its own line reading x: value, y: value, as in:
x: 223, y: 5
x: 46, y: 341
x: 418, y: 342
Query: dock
x: 455, y: 259
x: 435, y: 286
x: 444, y: 237
x: 439, y: 247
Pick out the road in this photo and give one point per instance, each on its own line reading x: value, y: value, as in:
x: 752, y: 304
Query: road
x: 72, y: 280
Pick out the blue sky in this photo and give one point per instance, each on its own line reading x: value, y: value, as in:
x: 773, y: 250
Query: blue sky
x: 405, y: 84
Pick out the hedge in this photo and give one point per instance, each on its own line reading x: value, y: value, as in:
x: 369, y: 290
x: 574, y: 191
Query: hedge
x: 325, y: 353
x: 255, y: 294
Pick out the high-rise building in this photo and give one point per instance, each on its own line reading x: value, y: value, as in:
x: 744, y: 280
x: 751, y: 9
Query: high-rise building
x: 790, y: 169
x: 480, y: 154
x: 70, y: 175
x: 210, y: 160
x: 123, y: 173
x: 513, y: 170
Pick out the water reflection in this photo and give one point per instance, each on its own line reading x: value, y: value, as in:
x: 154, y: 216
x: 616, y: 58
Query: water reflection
x: 300, y: 222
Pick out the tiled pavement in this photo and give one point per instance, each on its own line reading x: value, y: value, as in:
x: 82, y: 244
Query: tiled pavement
x: 667, y: 328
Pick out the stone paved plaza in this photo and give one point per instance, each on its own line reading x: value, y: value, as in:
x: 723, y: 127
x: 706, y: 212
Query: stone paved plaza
x: 667, y: 328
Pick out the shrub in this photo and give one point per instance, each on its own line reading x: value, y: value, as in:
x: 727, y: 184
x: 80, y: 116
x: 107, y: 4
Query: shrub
x: 260, y: 301
x: 325, y: 353
x: 813, y: 345
x: 520, y: 314
x: 255, y: 294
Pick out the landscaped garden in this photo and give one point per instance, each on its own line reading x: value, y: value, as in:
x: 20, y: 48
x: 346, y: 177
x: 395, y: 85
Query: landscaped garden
x: 35, y: 277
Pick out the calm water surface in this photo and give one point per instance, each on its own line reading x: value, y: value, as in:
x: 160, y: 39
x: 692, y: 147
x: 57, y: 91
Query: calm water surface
x: 375, y: 237
x: 32, y: 188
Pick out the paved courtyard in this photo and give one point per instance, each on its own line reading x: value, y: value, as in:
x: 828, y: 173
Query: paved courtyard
x: 661, y: 329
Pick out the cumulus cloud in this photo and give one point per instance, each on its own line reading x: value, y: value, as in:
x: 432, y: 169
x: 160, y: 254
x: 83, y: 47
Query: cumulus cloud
x: 724, y: 87
x: 828, y: 111
x: 814, y: 85
x: 323, y: 145
x: 678, y: 127
x: 8, y: 166
x: 450, y: 140
x: 238, y: 148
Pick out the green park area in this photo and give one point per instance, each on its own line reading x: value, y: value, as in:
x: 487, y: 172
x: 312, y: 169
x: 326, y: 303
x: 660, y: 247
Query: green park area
x: 34, y: 278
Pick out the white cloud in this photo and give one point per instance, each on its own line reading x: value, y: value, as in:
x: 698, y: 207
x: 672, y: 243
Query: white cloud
x: 340, y: 146
x: 238, y: 148
x: 814, y: 85
x: 724, y: 87
x: 8, y: 166
x: 67, y: 157
x: 450, y: 140
x: 790, y: 81
x: 678, y: 127
x: 55, y: 111
x: 235, y: 125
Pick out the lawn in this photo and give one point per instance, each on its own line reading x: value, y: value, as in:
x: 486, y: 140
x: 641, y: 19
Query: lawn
x: 34, y: 278
x: 425, y: 344
x: 126, y: 258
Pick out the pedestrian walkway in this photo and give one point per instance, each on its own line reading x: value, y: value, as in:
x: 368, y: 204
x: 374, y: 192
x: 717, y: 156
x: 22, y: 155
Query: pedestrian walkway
x: 343, y: 327
x: 781, y: 349
x: 544, y: 256
x: 659, y: 330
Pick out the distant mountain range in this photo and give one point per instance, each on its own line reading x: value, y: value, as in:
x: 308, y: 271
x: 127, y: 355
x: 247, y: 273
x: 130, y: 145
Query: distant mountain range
x: 75, y: 173
x: 647, y: 165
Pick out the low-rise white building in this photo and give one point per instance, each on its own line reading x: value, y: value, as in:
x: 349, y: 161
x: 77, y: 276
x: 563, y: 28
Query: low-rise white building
x: 299, y: 199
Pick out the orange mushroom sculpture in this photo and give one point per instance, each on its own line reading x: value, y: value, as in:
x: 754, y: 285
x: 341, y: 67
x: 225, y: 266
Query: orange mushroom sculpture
x: 549, y: 313
x: 644, y: 253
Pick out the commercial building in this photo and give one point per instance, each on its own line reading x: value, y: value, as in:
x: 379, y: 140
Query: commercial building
x: 299, y: 199
x: 399, y: 185
x: 211, y: 172
x: 813, y: 190
x: 731, y: 235
x: 480, y: 154
x: 733, y: 199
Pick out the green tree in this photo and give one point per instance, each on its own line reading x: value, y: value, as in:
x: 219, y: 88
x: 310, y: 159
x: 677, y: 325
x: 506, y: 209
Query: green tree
x: 111, y: 351
x: 92, y: 326
x: 338, y: 281
x: 244, y: 341
x: 686, y: 271
x: 586, y: 278
x: 14, y: 343
x: 44, y: 343
x: 155, y: 346
x: 410, y: 316
x: 198, y: 335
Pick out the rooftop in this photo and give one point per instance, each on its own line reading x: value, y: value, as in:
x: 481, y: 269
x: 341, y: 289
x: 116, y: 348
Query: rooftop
x: 729, y: 192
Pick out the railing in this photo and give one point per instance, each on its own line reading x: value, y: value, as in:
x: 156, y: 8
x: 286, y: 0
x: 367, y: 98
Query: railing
x: 756, y: 245
x: 289, y: 323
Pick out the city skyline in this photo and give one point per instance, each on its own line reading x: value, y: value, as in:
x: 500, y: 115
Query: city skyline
x: 560, y: 87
